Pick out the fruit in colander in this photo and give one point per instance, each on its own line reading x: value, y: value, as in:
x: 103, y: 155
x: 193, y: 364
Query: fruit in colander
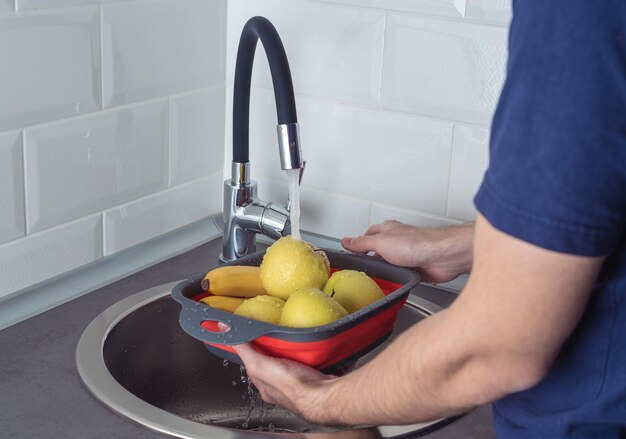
x: 290, y: 265
x: 353, y: 289
x: 264, y: 308
x: 310, y: 307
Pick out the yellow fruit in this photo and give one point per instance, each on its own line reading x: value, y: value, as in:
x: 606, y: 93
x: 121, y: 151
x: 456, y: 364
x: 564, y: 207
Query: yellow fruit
x: 353, y: 289
x: 224, y: 303
x: 264, y: 308
x: 290, y: 264
x: 310, y: 307
x: 234, y: 280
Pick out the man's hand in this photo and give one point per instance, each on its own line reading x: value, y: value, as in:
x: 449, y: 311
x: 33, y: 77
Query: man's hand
x: 439, y: 255
x: 287, y: 383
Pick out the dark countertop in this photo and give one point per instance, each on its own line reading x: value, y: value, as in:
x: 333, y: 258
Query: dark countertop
x: 42, y: 395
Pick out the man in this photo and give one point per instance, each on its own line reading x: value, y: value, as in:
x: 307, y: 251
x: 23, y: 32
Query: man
x: 540, y: 327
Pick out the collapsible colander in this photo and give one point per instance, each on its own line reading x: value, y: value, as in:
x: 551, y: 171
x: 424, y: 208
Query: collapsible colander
x: 328, y: 348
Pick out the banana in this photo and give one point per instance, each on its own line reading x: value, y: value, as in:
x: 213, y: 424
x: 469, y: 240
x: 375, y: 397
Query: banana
x: 234, y: 281
x: 224, y: 303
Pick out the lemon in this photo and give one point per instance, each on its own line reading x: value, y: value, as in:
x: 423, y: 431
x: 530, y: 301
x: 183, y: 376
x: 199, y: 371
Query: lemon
x: 264, y: 308
x: 353, y: 289
x: 290, y: 264
x: 310, y: 307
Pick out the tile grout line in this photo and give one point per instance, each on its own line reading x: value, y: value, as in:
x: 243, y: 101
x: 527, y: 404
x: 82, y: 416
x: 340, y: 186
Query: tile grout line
x: 170, y: 151
x: 445, y: 212
x: 101, y: 58
x: 128, y: 106
x: 382, y: 62
x: 24, y: 181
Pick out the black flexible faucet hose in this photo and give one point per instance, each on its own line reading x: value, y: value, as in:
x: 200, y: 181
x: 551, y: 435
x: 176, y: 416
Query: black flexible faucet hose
x: 260, y: 28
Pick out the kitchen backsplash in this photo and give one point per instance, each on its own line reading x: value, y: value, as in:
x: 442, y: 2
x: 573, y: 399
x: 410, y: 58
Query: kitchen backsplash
x: 111, y: 128
x: 115, y: 117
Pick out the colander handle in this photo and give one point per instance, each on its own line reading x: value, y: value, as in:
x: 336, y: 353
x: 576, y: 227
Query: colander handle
x: 242, y: 330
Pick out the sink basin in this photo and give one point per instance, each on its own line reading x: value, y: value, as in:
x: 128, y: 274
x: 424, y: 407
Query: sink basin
x: 136, y: 359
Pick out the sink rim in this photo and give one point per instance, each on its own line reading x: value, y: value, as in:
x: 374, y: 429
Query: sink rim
x: 96, y: 377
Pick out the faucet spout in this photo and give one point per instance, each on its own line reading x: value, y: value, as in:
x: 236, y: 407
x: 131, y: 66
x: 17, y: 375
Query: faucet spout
x: 245, y: 215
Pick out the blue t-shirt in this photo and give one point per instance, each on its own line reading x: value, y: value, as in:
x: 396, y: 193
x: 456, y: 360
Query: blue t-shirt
x: 557, y: 179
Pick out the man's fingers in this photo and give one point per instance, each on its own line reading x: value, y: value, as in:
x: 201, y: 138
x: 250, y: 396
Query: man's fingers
x: 248, y: 354
x: 368, y: 241
x: 382, y: 227
x: 260, y: 366
x: 222, y: 327
x: 362, y: 244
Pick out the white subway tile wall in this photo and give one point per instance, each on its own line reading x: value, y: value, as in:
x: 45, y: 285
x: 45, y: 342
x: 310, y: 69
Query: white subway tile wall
x: 333, y: 214
x: 334, y: 52
x: 88, y: 164
x: 469, y: 163
x: 497, y: 11
x: 443, y: 68
x: 395, y: 158
x: 380, y: 213
x: 25, y: 5
x: 35, y: 258
x: 151, y: 216
x: 50, y: 66
x: 196, y: 134
x: 147, y: 162
x: 6, y: 6
x: 450, y: 8
x: 154, y: 48
x: 12, y: 223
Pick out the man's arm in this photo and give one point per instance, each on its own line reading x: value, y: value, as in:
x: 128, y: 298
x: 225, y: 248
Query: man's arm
x: 500, y: 336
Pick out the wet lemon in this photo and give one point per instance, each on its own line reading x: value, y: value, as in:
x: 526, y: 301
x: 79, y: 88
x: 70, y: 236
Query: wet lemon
x: 310, y: 307
x: 290, y: 265
x: 353, y: 289
x: 264, y: 308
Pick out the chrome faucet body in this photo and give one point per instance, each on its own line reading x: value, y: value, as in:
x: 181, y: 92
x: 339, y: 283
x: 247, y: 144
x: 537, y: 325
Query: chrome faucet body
x: 244, y: 214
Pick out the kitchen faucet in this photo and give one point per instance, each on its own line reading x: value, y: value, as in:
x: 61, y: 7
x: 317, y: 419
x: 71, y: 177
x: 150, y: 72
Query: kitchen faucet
x: 244, y: 214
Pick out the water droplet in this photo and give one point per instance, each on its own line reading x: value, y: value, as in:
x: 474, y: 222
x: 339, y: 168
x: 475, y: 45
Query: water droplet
x: 244, y: 425
x: 234, y: 383
x: 225, y: 363
x: 77, y: 107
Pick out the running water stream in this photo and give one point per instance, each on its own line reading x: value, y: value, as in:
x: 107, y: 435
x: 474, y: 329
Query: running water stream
x: 293, y: 180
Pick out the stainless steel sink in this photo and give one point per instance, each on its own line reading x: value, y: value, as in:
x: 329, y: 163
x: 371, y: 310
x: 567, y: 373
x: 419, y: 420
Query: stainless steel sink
x: 136, y: 359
